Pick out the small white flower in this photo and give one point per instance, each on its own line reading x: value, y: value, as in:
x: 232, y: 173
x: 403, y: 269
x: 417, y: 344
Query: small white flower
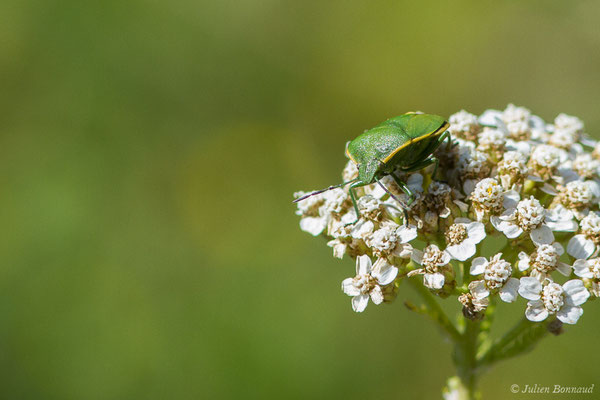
x: 337, y: 201
x: 392, y: 240
x: 464, y: 125
x: 526, y: 216
x: 368, y: 282
x: 518, y: 130
x: 589, y: 269
x: 560, y: 219
x: 473, y: 304
x: 472, y: 164
x: 563, y: 139
x: 488, y: 197
x: 512, y: 169
x: 439, y: 199
x: 513, y: 113
x: 434, y: 262
x: 552, y: 298
x: 314, y: 219
x: 584, y: 244
x: 370, y: 207
x: 371, y: 210
x: 496, y: 278
x: 462, y: 238
x: 543, y: 261
x: 341, y: 231
x: 585, y: 166
x: 578, y: 196
x: 491, y: 140
x: 545, y: 160
x: 568, y: 123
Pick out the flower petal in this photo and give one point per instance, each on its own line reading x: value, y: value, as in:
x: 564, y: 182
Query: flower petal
x: 469, y: 186
x: 569, y: 314
x: 445, y: 259
x: 548, y: 189
x: 490, y: 118
x: 582, y: 269
x: 580, y: 247
x: 560, y: 219
x: 363, y: 265
x: 359, y: 303
x: 542, y: 235
x: 417, y: 256
x: 362, y: 229
x: 385, y: 273
x: 509, y: 229
x: 415, y: 182
x: 559, y: 248
x: 478, y: 266
x: 476, y: 232
x: 530, y: 288
x: 434, y: 281
x: 406, y: 233
x: 478, y: 289
x: 564, y: 269
x: 594, y: 188
x: 575, y: 292
x: 523, y: 263
x: 511, y: 199
x: 508, y: 292
x: 376, y: 295
x: 403, y: 250
x: 349, y: 288
x: 536, y: 311
x: 313, y: 225
x: 462, y: 251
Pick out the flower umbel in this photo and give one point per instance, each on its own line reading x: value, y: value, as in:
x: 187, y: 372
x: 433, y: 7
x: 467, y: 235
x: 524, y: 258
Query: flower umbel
x: 511, y: 207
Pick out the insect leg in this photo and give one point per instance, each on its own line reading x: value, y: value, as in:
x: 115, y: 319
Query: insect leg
x: 420, y: 165
x: 397, y: 199
x: 353, y: 198
x: 405, y: 189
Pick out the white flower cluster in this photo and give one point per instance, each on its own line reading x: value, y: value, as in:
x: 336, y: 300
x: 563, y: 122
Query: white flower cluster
x: 530, y: 189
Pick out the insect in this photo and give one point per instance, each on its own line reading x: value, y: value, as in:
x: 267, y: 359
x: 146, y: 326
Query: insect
x: 406, y: 142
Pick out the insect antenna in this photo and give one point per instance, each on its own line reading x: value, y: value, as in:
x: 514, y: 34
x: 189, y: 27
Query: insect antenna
x: 324, y: 190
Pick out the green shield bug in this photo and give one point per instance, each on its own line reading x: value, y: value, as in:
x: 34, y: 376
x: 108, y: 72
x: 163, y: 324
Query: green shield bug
x: 406, y: 142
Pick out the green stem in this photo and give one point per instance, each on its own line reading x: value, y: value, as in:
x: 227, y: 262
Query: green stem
x: 465, y: 359
x: 435, y: 311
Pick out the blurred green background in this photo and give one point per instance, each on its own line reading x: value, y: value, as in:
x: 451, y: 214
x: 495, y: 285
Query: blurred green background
x: 150, y: 150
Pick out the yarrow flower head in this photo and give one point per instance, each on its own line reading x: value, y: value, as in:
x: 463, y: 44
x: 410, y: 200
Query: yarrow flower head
x: 462, y: 238
x: 435, y: 266
x: 368, y: 282
x: 552, y: 298
x: 497, y: 277
x: 498, y: 205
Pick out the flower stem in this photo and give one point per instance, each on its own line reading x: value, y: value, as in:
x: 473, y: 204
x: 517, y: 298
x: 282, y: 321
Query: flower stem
x: 465, y: 359
x: 435, y: 311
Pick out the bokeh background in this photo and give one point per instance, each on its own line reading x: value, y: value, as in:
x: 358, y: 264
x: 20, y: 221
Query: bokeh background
x: 149, y: 152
